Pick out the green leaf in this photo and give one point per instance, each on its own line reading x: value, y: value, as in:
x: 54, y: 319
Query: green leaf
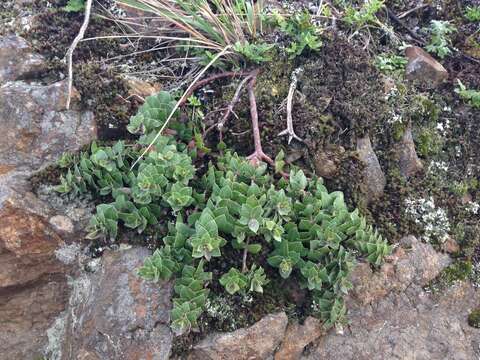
x: 74, y: 6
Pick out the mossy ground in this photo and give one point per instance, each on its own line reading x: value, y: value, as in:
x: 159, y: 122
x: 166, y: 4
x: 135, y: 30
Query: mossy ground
x: 340, y: 96
x: 474, y: 318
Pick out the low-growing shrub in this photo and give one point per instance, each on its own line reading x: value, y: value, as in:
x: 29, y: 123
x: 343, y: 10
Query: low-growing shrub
x: 292, y: 225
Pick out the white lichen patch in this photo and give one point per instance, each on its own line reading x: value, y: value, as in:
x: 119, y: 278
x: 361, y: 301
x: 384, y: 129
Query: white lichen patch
x: 432, y: 219
x: 473, y: 207
x: 67, y: 254
x: 218, y: 308
x: 55, y: 335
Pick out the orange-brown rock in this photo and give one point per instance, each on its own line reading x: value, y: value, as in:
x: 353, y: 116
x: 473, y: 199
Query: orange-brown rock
x: 33, y: 282
x: 423, y: 68
x: 297, y: 337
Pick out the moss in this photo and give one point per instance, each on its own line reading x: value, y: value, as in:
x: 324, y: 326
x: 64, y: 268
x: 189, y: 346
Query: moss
x: 428, y: 141
x: 398, y: 130
x: 460, y: 270
x: 474, y: 318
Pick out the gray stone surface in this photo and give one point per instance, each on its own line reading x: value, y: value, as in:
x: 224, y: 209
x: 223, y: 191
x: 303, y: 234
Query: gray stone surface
x: 256, y: 342
x: 33, y: 284
x: 113, y: 314
x: 373, y: 182
x: 34, y: 130
x: 35, y: 127
x: 408, y: 159
x: 17, y: 60
x: 392, y: 317
x: 410, y: 325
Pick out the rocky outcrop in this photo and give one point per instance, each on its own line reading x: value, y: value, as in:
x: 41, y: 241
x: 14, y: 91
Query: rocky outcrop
x: 256, y: 342
x: 414, y: 263
x: 33, y: 283
x: 297, y: 337
x: 373, y: 182
x: 36, y: 129
x: 17, y: 60
x: 113, y: 314
x: 327, y: 161
x: 409, y: 325
x: 392, y: 317
x: 141, y: 88
x: 423, y: 68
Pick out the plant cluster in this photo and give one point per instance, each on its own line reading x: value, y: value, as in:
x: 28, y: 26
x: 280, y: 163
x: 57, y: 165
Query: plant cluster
x: 299, y: 27
x: 440, y: 41
x: 472, y: 13
x: 390, y: 63
x: 142, y: 194
x: 472, y: 97
x: 302, y: 230
x: 366, y: 14
x: 474, y: 318
x: 206, y: 28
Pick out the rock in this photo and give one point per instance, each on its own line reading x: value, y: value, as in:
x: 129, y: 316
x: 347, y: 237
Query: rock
x: 33, y: 282
x: 392, y: 317
x: 137, y: 87
x: 327, y: 161
x: 374, y: 181
x: 297, y: 337
x: 256, y: 342
x: 17, y: 61
x: 34, y: 268
x: 418, y: 265
x: 409, y: 325
x: 62, y: 223
x: 408, y: 159
x: 424, y: 68
x: 35, y: 127
x: 113, y: 314
x: 388, y: 84
x: 450, y: 246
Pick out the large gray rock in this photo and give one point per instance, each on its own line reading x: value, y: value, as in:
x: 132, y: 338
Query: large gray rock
x: 34, y: 130
x: 255, y: 343
x: 33, y: 282
x: 392, y: 317
x: 415, y: 263
x: 17, y: 60
x: 113, y: 314
x: 34, y: 126
x: 373, y: 182
x: 409, y: 325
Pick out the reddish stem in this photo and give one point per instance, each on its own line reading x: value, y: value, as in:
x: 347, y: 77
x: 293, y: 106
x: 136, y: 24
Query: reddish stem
x: 258, y: 155
x: 209, y: 79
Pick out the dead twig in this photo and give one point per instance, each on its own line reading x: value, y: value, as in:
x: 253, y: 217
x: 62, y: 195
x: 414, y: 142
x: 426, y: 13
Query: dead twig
x: 78, y: 38
x: 399, y: 22
x: 233, y: 102
x: 293, y: 87
x: 408, y: 12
